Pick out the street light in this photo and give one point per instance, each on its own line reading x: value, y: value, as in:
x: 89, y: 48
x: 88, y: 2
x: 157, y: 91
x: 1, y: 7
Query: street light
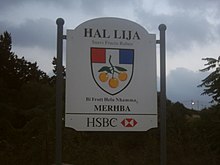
x: 192, y: 102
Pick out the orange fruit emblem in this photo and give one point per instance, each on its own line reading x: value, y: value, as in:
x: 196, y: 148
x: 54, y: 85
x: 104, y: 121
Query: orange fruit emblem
x: 113, y: 82
x: 103, y: 77
x: 122, y: 76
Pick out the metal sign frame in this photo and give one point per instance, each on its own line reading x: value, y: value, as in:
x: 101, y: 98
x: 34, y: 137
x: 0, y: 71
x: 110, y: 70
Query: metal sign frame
x: 60, y: 89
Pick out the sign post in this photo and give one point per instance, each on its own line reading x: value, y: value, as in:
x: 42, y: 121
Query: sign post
x: 111, y: 77
x: 59, y: 91
x: 162, y: 42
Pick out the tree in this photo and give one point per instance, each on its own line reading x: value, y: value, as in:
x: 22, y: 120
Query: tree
x: 53, y: 78
x: 212, y: 81
x: 16, y: 71
x: 27, y: 108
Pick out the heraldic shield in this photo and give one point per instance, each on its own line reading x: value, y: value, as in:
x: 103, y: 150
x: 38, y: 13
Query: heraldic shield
x: 112, y: 69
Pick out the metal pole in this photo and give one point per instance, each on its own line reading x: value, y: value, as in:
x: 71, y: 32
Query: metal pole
x: 163, y: 149
x: 59, y: 91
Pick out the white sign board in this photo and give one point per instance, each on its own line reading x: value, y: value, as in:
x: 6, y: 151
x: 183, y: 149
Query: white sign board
x: 111, y: 77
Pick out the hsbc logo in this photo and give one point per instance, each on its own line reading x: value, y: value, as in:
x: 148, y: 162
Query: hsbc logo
x: 129, y: 122
x: 110, y: 122
x: 101, y: 122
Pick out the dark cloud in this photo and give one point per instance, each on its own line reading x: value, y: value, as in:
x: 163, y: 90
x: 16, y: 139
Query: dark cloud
x: 87, y: 6
x: 202, y: 5
x: 7, y: 4
x: 204, y: 14
x: 182, y: 86
x: 183, y: 29
x: 90, y: 7
x: 41, y: 32
x: 100, y: 6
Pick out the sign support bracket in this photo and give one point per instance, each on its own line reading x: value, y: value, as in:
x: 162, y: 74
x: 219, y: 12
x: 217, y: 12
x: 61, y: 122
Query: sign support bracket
x: 162, y: 103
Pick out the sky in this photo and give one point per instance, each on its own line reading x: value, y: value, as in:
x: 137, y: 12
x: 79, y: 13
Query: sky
x: 193, y: 33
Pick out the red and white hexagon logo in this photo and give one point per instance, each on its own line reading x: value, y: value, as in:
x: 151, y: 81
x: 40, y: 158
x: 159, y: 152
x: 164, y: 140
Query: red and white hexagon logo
x: 129, y: 122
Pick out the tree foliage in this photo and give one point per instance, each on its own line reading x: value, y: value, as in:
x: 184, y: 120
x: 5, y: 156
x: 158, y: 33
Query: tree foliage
x: 53, y: 78
x: 212, y: 81
x: 15, y: 71
x: 27, y: 127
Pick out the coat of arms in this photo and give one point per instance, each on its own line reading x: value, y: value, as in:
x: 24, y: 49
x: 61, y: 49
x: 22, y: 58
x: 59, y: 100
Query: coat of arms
x: 112, y: 69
